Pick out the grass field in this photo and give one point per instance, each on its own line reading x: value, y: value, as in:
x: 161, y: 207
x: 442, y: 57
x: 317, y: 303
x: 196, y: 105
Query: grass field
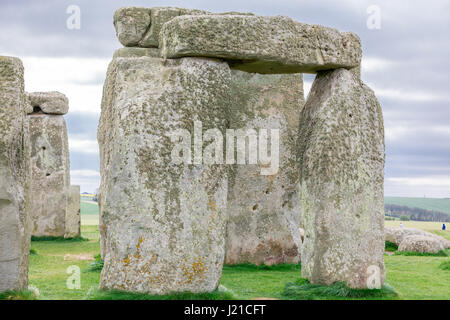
x: 424, y: 225
x: 442, y: 205
x: 412, y: 277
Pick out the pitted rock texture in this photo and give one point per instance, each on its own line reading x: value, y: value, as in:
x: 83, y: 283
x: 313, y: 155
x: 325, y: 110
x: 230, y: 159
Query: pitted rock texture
x: 260, y: 44
x: 162, y: 224
x: 50, y: 170
x: 14, y: 178
x: 131, y: 24
x: 140, y: 27
x: 420, y: 243
x: 135, y: 52
x: 263, y: 210
x: 52, y: 102
x: 73, y: 218
x: 396, y: 235
x: 341, y: 153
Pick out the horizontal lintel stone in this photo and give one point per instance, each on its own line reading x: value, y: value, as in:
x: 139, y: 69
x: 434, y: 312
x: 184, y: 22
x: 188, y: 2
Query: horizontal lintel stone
x: 260, y: 44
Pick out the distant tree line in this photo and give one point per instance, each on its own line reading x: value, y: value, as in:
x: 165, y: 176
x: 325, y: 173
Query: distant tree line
x: 417, y: 214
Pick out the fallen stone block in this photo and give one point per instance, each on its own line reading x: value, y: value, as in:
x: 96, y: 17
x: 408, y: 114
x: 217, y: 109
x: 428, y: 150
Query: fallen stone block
x: 420, y: 243
x: 260, y: 44
x: 162, y: 221
x: 263, y: 211
x: 14, y: 178
x: 396, y: 235
x: 341, y: 153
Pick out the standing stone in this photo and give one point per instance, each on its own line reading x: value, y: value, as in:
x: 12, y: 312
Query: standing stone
x: 263, y: 209
x: 14, y: 175
x: 162, y: 222
x: 73, y: 218
x: 49, y: 163
x: 341, y: 152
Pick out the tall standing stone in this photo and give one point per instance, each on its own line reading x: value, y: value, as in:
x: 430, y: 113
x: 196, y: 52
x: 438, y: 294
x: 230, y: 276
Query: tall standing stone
x: 14, y: 175
x: 73, y: 217
x: 341, y: 153
x: 263, y: 209
x: 49, y: 163
x: 163, y: 222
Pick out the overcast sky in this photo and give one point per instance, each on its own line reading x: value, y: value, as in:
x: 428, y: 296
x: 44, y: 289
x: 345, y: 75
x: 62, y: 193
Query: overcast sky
x: 405, y: 61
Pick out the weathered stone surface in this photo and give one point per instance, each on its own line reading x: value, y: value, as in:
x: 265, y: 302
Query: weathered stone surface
x: 163, y: 224
x: 341, y: 153
x: 14, y: 175
x: 302, y: 233
x: 136, y: 52
x: 49, y: 102
x: 420, y: 243
x: 140, y: 27
x: 260, y: 44
x: 263, y: 209
x: 73, y: 218
x: 131, y: 24
x: 50, y: 170
x: 396, y: 235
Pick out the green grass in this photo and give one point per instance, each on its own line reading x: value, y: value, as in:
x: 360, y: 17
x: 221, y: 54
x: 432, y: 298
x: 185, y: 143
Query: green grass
x: 417, y: 278
x: 413, y: 277
x: 441, y: 253
x: 251, y: 267
x: 445, y: 265
x: 250, y: 281
x: 97, y: 265
x: 18, y: 295
x: 48, y: 268
x: 390, y: 247
x: 302, y: 289
x: 88, y: 208
x: 120, y: 295
x: 436, y: 204
x: 50, y: 238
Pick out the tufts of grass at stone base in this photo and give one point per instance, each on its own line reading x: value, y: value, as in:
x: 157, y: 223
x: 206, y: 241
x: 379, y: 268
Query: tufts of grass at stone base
x: 390, y: 246
x: 50, y: 238
x: 445, y: 265
x: 441, y: 253
x: 122, y: 295
x: 302, y: 289
x: 18, y: 295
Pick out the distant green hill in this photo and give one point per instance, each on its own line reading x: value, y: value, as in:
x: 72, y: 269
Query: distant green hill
x: 435, y: 204
x: 88, y: 208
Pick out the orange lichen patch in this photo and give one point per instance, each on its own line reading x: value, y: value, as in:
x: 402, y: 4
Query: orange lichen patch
x: 212, y: 205
x: 140, y: 241
x: 126, y: 261
x: 196, y: 270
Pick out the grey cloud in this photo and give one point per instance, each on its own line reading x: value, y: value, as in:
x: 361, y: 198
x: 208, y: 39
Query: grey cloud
x: 413, y: 38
